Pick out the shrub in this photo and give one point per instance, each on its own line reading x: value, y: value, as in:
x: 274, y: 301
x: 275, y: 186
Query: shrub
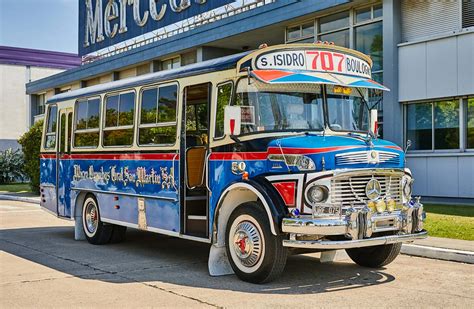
x: 11, y: 166
x: 31, y: 144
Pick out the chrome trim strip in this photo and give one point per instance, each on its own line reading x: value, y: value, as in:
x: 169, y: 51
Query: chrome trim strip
x: 47, y: 186
x: 348, y: 244
x: 126, y: 194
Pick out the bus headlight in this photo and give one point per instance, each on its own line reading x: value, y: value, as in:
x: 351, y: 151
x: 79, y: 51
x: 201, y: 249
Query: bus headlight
x: 305, y: 164
x: 317, y: 194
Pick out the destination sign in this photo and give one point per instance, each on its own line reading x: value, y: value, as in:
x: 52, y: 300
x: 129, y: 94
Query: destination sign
x: 314, y: 60
x: 103, y: 23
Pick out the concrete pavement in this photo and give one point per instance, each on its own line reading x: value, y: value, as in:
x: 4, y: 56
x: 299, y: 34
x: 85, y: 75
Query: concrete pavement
x: 42, y: 266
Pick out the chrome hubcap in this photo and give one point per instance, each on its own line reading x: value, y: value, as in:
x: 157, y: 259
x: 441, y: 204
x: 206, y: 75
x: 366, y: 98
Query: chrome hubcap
x: 247, y: 243
x: 92, y: 218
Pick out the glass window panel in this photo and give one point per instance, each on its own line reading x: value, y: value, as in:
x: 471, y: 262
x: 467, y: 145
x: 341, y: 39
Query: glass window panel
x: 149, y: 106
x: 223, y: 99
x: 201, y: 114
x: 50, y: 141
x: 81, y: 115
x: 363, y: 15
x: 446, y: 124
x: 369, y: 41
x: 167, y: 104
x: 191, y: 124
x: 340, y: 38
x: 293, y: 33
x: 111, y: 111
x: 378, y: 11
x: 470, y: 123
x: 118, y: 137
x: 308, y: 29
x: 62, y: 134
x: 52, y: 119
x: 419, y: 126
x: 93, y: 114
x: 90, y: 139
x: 126, y: 109
x: 157, y: 135
x: 333, y: 22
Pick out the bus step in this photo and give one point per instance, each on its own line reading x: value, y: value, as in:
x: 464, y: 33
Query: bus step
x: 194, y: 217
x: 196, y: 198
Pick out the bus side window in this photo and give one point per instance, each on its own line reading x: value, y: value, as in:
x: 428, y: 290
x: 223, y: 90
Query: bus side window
x: 51, y: 124
x: 86, y: 123
x: 224, y: 96
x: 158, y: 109
x: 119, y: 116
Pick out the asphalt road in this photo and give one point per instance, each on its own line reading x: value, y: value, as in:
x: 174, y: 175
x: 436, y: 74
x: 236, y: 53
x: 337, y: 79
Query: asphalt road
x: 42, y: 266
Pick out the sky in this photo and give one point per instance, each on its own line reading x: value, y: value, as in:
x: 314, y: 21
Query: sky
x: 39, y: 24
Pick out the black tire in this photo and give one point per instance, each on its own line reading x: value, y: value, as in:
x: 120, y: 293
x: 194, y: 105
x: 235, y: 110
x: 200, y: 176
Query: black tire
x: 376, y: 256
x: 96, y: 231
x: 118, y: 234
x: 265, y: 257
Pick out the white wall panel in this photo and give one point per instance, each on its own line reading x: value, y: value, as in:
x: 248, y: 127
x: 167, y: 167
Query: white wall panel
x: 465, y: 44
x: 418, y: 167
x: 442, y: 176
x: 466, y: 176
x: 441, y: 68
x: 412, y: 72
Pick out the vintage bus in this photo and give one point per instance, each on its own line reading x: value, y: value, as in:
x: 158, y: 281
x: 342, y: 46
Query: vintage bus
x: 258, y: 154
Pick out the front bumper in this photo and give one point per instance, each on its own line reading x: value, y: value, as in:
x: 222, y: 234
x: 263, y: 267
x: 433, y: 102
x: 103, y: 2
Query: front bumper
x: 358, y: 226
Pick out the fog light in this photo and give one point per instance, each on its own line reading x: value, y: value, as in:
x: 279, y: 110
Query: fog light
x: 391, y: 205
x: 317, y: 194
x: 381, y: 206
x: 371, y: 206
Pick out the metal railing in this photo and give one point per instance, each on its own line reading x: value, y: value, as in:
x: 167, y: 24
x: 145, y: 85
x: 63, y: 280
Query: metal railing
x: 205, y: 18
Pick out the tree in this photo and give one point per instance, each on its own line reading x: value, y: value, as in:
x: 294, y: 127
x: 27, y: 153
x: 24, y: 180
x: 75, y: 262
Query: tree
x: 31, y: 144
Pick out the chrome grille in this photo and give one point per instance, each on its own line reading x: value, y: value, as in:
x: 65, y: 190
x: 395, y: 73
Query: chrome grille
x: 350, y: 190
x: 364, y: 157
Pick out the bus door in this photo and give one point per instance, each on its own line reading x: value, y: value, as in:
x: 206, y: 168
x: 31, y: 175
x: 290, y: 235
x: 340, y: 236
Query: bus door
x: 194, y: 146
x: 64, y: 163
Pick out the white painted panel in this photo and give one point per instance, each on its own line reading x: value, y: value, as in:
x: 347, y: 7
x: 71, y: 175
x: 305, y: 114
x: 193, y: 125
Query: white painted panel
x: 466, y: 176
x: 466, y: 64
x: 418, y: 167
x: 442, y: 176
x: 441, y: 68
x: 412, y: 72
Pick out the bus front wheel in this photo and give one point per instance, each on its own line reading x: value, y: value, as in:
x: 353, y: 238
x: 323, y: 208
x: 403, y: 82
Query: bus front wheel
x: 255, y: 254
x: 96, y: 231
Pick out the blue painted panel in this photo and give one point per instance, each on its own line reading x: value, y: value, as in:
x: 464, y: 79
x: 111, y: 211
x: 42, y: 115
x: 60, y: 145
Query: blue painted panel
x: 48, y: 182
x: 133, y: 29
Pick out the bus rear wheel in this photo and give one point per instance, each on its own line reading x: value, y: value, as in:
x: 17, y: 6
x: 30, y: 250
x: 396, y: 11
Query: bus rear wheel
x: 255, y: 254
x: 376, y: 256
x: 96, y: 231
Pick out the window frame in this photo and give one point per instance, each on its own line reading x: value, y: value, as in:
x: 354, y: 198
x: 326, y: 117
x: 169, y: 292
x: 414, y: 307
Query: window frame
x: 232, y: 98
x: 46, y: 125
x: 462, y: 126
x: 115, y: 128
x: 75, y: 130
x: 157, y: 124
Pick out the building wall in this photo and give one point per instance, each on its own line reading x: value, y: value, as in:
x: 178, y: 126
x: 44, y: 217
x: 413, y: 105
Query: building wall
x: 15, y: 107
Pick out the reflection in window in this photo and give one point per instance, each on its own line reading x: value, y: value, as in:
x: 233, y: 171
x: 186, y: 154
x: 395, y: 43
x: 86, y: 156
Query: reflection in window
x: 224, y: 93
x: 158, y: 116
x: 470, y: 123
x: 50, y: 134
x: 87, y: 116
x: 419, y: 126
x: 334, y: 22
x: 340, y: 38
x: 369, y: 41
x: 363, y: 14
x: 347, y: 112
x: 446, y: 125
x: 119, y: 111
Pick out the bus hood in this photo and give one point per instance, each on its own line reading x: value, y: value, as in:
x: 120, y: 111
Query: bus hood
x: 329, y: 152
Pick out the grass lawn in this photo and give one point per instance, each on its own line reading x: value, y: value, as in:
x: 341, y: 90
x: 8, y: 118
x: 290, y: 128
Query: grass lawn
x: 15, y: 187
x: 450, y: 221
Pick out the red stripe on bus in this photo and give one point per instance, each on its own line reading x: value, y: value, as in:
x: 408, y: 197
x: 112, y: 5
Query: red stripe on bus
x: 394, y: 147
x: 115, y: 156
x: 48, y: 156
x: 239, y: 156
x: 286, y: 150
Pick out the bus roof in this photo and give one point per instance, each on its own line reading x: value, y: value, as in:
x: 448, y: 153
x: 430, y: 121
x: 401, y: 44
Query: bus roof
x: 213, y: 65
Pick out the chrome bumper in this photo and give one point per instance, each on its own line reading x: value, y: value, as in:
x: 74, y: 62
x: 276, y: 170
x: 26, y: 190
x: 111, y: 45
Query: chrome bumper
x: 358, y: 243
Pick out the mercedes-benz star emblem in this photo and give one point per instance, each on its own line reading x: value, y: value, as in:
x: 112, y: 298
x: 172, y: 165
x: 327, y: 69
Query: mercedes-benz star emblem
x: 373, y: 189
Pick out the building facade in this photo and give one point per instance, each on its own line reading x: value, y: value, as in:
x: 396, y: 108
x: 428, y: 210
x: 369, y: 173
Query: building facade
x: 422, y: 50
x: 19, y: 66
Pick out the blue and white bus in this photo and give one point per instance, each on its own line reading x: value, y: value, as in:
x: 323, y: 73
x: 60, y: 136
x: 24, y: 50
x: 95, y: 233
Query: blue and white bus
x: 258, y: 154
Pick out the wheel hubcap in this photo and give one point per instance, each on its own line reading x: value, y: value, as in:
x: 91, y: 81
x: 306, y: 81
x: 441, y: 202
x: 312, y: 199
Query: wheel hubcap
x: 92, y: 218
x: 247, y: 243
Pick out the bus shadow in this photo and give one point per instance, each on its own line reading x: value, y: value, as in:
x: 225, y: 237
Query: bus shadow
x: 156, y: 259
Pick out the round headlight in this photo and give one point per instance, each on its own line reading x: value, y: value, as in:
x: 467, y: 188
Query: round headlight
x: 317, y: 194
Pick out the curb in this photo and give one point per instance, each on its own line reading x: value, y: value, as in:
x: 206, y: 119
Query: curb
x: 438, y: 253
x: 20, y: 198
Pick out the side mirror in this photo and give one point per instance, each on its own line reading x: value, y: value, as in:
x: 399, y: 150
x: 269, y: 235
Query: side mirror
x: 232, y: 120
x: 374, y: 127
x: 408, y: 145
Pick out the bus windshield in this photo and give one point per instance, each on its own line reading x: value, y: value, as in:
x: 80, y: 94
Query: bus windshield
x: 299, y: 107
x: 290, y: 107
